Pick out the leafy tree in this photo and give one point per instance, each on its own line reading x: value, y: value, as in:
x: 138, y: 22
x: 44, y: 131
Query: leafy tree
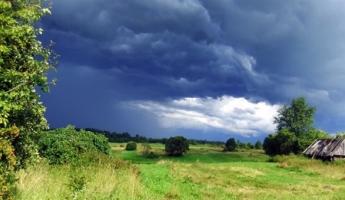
x: 306, y: 139
x: 295, y: 129
x: 23, y: 66
x: 296, y: 118
x: 258, y: 145
x: 176, y: 146
x: 230, y: 145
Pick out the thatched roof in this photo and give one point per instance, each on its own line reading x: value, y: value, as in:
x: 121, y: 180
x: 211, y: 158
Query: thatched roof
x: 326, y: 148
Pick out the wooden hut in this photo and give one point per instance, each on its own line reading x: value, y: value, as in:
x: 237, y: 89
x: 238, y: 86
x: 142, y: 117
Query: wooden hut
x: 326, y: 149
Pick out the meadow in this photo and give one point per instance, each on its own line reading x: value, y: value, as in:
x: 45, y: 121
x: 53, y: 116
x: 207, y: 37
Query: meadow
x: 205, y: 172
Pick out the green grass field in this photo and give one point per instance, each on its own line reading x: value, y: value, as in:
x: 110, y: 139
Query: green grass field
x: 205, y: 172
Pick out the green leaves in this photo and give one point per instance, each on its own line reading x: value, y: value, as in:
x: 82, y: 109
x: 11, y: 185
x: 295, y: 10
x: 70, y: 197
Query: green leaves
x: 67, y: 145
x: 295, y: 129
x: 297, y: 118
x: 230, y: 144
x: 24, y: 63
x: 176, y: 146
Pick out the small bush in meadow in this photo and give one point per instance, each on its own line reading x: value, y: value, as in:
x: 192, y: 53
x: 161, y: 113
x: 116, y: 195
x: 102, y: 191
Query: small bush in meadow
x: 67, y: 145
x: 77, y: 184
x: 230, y: 145
x: 147, y: 151
x: 176, y: 146
x: 131, y: 146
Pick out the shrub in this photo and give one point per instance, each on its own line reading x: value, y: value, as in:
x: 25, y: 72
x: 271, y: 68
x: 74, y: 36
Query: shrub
x: 176, y: 146
x: 284, y: 142
x: 7, y: 163
x: 131, y: 146
x: 147, y: 152
x: 258, y: 145
x: 67, y: 145
x: 230, y: 145
x: 250, y: 145
x: 77, y: 184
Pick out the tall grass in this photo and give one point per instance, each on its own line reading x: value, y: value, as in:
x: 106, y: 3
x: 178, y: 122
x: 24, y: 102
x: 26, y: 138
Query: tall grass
x: 204, y: 173
x: 104, y: 178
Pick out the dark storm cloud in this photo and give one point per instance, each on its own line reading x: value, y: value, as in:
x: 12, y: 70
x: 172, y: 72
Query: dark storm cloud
x: 173, y: 44
x: 299, y: 45
x: 157, y: 50
x: 100, y: 19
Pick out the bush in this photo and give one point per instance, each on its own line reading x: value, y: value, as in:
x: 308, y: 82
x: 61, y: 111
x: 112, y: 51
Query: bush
x: 176, y: 146
x: 131, y: 146
x: 147, y: 152
x: 7, y: 163
x: 284, y: 142
x: 67, y: 145
x: 258, y: 145
x: 250, y: 145
x: 76, y: 184
x: 230, y: 145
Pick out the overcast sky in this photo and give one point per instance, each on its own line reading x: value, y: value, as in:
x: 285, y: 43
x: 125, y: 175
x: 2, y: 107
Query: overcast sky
x: 208, y: 69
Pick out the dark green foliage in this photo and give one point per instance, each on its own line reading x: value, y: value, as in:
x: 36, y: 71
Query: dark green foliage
x: 230, y: 145
x: 76, y: 184
x: 67, y: 145
x: 131, y: 146
x: 296, y: 118
x: 126, y: 137
x: 295, y: 129
x: 241, y: 145
x: 250, y: 145
x: 24, y: 63
x: 284, y: 142
x: 176, y: 146
x: 258, y: 145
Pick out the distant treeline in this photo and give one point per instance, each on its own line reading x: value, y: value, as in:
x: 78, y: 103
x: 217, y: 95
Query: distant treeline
x: 126, y: 137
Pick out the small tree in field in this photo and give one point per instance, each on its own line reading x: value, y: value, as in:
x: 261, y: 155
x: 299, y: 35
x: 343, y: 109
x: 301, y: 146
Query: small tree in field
x: 24, y: 63
x: 176, y: 146
x: 297, y: 118
x: 230, y: 145
x: 295, y: 129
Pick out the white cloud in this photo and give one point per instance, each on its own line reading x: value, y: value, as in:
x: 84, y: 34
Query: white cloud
x: 226, y: 113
